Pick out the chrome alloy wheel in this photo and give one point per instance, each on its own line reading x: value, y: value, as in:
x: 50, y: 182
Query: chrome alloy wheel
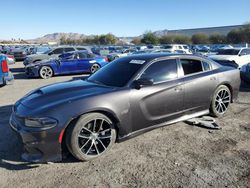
x: 222, y: 101
x: 95, y: 68
x: 95, y: 137
x: 46, y: 72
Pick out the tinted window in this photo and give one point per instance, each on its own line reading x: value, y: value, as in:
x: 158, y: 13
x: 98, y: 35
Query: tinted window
x: 80, y: 48
x: 206, y: 66
x: 191, y: 66
x: 82, y: 55
x: 245, y: 51
x: 161, y: 71
x: 58, y: 51
x: 90, y: 55
x: 69, y: 49
x: 117, y: 73
x: 228, y: 52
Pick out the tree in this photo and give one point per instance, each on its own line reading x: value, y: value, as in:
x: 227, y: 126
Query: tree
x: 150, y: 38
x: 136, y: 41
x: 241, y: 35
x: 217, y: 39
x: 167, y: 39
x: 200, y: 38
x: 181, y: 39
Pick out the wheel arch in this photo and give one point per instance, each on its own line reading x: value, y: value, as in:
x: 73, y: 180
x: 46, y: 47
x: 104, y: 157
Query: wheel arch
x: 73, y: 121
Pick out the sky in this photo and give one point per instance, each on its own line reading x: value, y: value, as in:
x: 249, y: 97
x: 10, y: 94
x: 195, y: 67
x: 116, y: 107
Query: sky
x: 29, y: 19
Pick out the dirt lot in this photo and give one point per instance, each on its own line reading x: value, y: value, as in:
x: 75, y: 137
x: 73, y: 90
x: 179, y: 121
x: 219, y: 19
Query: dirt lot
x: 179, y: 155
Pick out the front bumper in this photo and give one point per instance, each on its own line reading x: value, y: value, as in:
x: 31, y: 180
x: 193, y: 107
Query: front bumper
x: 31, y: 72
x: 38, y: 145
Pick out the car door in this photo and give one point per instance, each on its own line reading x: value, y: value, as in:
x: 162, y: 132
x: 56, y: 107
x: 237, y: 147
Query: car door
x: 161, y: 102
x: 68, y: 65
x: 199, y: 84
x: 84, y: 62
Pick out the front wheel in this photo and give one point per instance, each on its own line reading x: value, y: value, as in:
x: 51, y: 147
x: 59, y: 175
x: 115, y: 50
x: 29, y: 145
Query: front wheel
x: 46, y: 72
x: 92, y: 136
x: 221, y: 101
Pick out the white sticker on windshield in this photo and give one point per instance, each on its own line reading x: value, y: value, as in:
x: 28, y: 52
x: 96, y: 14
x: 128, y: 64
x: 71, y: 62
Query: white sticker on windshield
x: 136, y: 61
x: 92, y: 61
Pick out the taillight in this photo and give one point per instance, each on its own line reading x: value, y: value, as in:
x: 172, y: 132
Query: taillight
x: 5, y: 67
x: 106, y: 59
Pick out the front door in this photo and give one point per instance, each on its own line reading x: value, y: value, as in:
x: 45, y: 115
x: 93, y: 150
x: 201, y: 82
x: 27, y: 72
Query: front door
x: 161, y: 102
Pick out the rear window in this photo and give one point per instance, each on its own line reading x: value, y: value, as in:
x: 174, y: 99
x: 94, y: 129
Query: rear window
x: 191, y: 66
x: 228, y: 52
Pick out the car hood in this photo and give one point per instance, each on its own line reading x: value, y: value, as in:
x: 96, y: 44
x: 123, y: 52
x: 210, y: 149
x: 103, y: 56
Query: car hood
x: 38, y: 56
x: 223, y: 57
x: 64, y: 92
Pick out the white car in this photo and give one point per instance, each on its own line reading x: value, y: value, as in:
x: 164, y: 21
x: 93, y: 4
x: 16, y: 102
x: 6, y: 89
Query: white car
x: 178, y: 47
x: 237, y: 57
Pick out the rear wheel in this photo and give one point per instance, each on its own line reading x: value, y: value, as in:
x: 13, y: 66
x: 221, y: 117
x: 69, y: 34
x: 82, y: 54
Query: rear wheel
x: 46, y: 72
x: 92, y: 136
x: 221, y: 101
x: 95, y: 67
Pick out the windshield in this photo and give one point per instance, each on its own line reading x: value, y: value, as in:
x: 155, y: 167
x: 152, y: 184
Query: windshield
x: 118, y: 73
x: 47, y: 51
x: 228, y: 52
x: 42, y: 49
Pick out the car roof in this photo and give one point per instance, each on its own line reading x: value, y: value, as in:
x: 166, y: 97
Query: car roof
x: 151, y: 56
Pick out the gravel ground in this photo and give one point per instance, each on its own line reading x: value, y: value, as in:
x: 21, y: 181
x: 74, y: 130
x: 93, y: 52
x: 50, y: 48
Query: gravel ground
x: 178, y: 155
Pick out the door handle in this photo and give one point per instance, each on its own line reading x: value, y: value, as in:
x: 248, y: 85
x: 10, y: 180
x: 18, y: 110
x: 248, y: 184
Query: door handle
x: 213, y: 78
x: 178, y: 88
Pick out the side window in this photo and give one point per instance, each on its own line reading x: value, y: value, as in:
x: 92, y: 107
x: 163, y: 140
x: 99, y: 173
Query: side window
x: 161, y: 71
x: 191, y: 66
x: 244, y: 51
x: 206, y: 66
x: 80, y: 48
x: 82, y: 55
x: 69, y: 49
x: 90, y: 55
x: 248, y: 51
x: 57, y: 51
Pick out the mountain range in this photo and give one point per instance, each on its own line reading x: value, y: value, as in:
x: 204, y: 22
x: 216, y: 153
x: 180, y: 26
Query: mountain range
x: 55, y: 37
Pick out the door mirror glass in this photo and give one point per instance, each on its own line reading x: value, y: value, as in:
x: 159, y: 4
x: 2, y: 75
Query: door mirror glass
x: 137, y: 84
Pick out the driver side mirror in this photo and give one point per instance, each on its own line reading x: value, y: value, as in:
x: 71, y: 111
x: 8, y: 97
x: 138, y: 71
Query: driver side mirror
x: 138, y: 84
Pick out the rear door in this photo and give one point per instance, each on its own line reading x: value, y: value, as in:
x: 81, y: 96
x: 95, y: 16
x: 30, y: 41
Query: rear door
x: 85, y: 61
x: 199, y: 82
x: 161, y: 102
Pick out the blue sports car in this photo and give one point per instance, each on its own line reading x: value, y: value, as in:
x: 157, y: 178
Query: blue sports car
x: 67, y: 63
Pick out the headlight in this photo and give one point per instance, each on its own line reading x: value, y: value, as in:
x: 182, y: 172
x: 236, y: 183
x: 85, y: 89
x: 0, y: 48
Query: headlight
x: 44, y: 122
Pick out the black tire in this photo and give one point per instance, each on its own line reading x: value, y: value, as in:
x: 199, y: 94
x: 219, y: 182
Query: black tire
x: 220, y: 101
x: 46, y: 72
x: 92, y: 136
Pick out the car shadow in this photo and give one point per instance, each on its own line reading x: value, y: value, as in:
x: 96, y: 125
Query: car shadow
x: 17, y: 70
x: 10, y: 144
